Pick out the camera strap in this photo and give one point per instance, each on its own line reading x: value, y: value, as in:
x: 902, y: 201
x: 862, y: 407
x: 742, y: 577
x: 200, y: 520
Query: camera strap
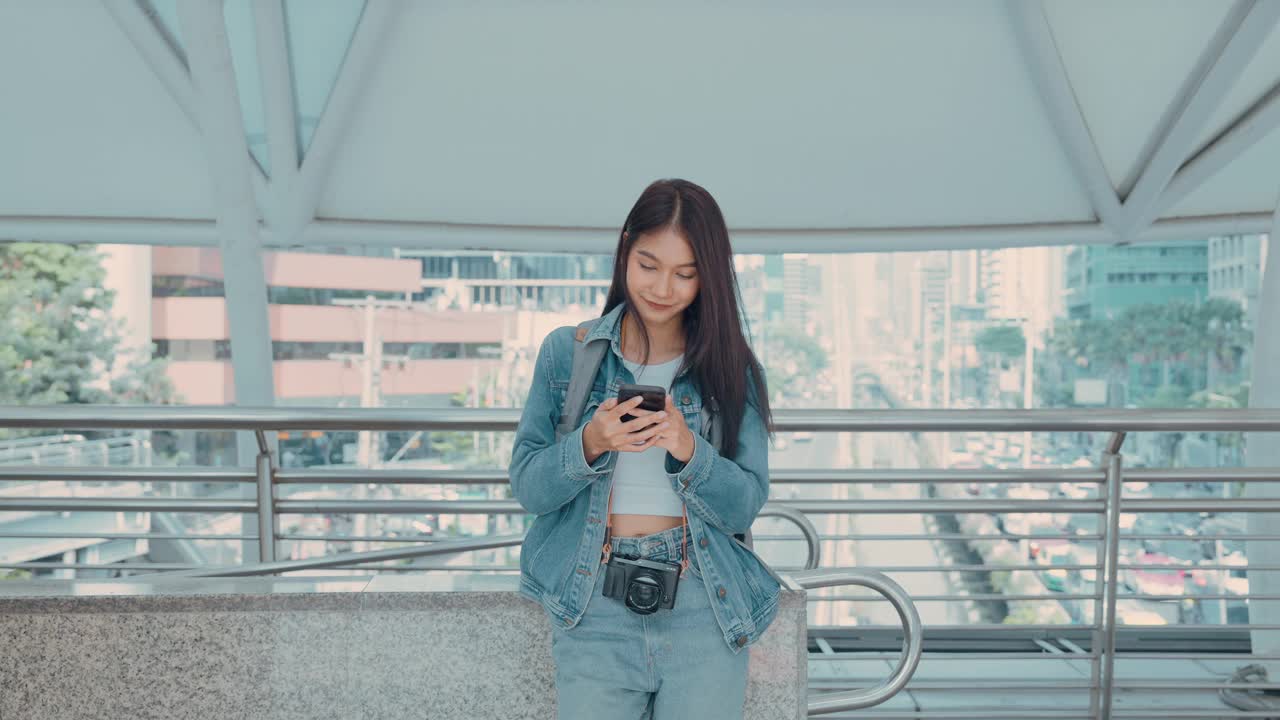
x: 608, y: 535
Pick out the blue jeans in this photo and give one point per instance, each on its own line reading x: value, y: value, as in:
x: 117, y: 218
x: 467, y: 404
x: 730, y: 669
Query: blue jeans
x: 669, y: 665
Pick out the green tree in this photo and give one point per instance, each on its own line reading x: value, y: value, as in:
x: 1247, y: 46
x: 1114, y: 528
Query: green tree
x: 1188, y: 343
x: 58, y: 338
x: 1225, y: 337
x: 1007, y: 341
x: 1097, y: 344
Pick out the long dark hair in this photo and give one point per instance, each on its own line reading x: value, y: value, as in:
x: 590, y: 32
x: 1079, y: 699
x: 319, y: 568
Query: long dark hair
x: 716, y: 350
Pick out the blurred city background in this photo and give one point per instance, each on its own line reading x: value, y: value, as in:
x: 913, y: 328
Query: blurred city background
x: 1160, y: 325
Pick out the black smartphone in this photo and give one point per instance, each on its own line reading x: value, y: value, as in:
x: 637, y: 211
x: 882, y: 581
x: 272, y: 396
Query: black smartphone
x: 655, y: 397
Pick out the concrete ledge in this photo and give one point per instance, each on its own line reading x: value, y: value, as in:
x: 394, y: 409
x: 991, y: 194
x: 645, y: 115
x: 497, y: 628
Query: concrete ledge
x: 409, y: 646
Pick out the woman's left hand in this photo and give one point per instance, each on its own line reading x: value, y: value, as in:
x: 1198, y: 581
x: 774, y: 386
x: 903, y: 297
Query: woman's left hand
x: 677, y: 439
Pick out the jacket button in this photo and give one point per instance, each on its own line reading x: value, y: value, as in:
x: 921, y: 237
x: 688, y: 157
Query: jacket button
x: 723, y: 592
x: 742, y: 640
x: 703, y: 542
x: 686, y: 400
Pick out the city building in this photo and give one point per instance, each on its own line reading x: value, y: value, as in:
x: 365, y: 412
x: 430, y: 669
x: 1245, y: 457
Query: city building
x: 1235, y: 270
x: 1104, y: 279
x: 534, y: 281
x: 792, y: 288
x: 317, y: 317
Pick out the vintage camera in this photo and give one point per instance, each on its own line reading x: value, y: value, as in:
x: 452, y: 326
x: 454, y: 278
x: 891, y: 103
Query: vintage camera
x: 643, y: 586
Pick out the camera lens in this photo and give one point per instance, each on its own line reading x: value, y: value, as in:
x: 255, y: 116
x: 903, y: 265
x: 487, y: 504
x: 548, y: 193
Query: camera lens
x: 644, y: 593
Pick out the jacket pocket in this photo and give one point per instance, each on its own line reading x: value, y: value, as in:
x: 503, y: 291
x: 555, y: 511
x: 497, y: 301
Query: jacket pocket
x: 755, y: 570
x: 547, y: 532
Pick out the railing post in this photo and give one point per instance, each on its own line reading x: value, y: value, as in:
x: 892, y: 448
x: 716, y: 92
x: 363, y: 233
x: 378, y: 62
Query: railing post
x: 1105, y: 631
x: 266, y: 502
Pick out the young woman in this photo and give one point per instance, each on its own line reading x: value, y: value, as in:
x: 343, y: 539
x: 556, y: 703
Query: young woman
x: 648, y: 503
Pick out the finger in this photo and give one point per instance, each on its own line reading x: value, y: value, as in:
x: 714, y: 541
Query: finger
x: 608, y: 404
x: 642, y: 446
x: 626, y: 406
x: 631, y: 406
x: 648, y: 432
x: 643, y: 422
x: 637, y: 439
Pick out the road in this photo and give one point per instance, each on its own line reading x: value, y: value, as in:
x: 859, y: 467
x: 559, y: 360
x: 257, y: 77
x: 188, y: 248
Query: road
x: 823, y: 451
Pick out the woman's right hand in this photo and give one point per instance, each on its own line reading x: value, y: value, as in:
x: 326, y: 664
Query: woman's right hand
x: 608, y: 433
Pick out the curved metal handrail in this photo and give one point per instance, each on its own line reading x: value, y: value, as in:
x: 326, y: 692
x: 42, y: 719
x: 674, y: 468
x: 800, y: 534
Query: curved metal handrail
x: 444, y: 547
x: 806, y: 528
x: 911, y: 637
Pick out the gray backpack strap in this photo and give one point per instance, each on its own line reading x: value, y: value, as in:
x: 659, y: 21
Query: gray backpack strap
x: 712, y: 428
x: 714, y: 435
x: 586, y: 363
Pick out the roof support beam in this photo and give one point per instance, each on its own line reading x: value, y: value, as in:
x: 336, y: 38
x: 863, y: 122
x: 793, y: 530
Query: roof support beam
x: 449, y: 236
x: 218, y: 104
x: 454, y: 237
x: 157, y: 49
x: 1262, y: 448
x: 1256, y: 123
x: 1232, y: 48
x: 168, y: 62
x: 117, y: 231
x: 1035, y: 37
x: 353, y: 78
x: 277, y: 102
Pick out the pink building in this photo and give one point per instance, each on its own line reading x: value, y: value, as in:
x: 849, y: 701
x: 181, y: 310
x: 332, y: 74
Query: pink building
x: 429, y: 355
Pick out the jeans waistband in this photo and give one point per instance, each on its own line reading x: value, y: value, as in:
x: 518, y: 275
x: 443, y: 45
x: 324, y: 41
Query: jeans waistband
x: 665, y: 545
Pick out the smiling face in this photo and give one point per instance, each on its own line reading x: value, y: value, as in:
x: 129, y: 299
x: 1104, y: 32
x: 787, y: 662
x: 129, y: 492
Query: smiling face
x: 662, y: 278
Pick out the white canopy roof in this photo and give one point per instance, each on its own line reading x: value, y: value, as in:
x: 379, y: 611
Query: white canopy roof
x: 823, y: 126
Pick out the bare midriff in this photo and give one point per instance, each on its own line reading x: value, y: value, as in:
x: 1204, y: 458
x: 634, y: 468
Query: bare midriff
x: 639, y: 525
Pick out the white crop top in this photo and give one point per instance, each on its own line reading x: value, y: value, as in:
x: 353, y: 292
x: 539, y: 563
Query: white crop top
x: 640, y: 483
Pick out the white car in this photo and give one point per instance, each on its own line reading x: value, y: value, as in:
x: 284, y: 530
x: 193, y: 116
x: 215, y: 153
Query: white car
x: 802, y: 436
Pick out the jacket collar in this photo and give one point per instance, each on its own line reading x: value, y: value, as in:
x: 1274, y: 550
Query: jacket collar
x: 610, y: 327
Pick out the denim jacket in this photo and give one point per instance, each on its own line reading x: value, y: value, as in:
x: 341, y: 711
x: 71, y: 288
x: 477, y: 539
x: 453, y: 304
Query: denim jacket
x: 552, y: 479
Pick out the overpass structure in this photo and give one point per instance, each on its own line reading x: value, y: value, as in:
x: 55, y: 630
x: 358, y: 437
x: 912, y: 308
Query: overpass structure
x: 822, y: 128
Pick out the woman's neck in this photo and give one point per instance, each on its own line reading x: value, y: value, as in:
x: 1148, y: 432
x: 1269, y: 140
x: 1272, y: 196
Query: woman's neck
x: 665, y: 341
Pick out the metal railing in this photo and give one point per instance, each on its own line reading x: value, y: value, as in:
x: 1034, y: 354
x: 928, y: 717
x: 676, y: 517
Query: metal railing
x: 942, y: 495
x: 911, y: 638
x: 67, y: 449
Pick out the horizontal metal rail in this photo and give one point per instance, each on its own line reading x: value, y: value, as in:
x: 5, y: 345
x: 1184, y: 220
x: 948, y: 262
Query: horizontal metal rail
x: 118, y: 473
x: 511, y: 507
x: 800, y: 476
x: 193, y: 417
x: 125, y: 536
x: 135, y: 504
x: 495, y: 476
x: 328, y: 561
